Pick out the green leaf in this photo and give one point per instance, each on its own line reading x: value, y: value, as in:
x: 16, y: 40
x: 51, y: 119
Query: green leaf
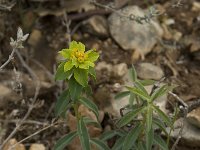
x: 131, y: 99
x: 122, y: 94
x: 149, y: 139
x: 164, y: 117
x: 131, y: 137
x: 67, y: 66
x: 64, y: 141
x: 100, y: 144
x: 81, y: 47
x: 161, y: 125
x: 92, y: 72
x: 93, y: 56
x: 86, y: 65
x: 60, y: 74
x: 110, y: 134
x: 119, y: 143
x: 129, y: 117
x: 160, y: 92
x: 140, y: 93
x: 133, y: 73
x: 141, y: 146
x: 62, y: 103
x: 81, y: 76
x: 88, y: 90
x: 75, y: 89
x: 90, y: 104
x: 147, y: 82
x: 138, y: 85
x: 83, y: 135
x: 65, y: 53
x: 89, y: 121
x: 149, y: 116
x: 159, y: 141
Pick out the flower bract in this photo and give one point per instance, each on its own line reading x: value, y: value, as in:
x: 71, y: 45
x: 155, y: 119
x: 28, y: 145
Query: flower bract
x: 77, y: 57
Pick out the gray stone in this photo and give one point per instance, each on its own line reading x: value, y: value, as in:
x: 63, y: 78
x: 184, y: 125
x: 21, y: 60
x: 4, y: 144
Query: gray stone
x: 190, y: 134
x: 97, y: 25
x: 120, y: 70
x: 37, y: 147
x: 131, y: 35
x: 194, y: 117
x: 149, y: 71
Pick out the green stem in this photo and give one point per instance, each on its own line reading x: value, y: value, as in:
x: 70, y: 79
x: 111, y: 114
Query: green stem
x: 75, y: 106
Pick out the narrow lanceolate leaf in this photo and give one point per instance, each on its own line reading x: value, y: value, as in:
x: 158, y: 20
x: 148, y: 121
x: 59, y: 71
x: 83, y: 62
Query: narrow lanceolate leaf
x: 75, y: 89
x: 89, y: 121
x: 162, y: 115
x: 160, y: 92
x: 62, y: 103
x: 110, y: 134
x: 100, y: 144
x: 61, y: 74
x: 139, y: 85
x: 64, y: 141
x: 129, y: 117
x: 141, y: 146
x: 160, y: 142
x: 160, y: 125
x: 118, y: 144
x: 81, y: 76
x: 147, y: 82
x: 140, y: 93
x: 132, y: 137
x: 83, y: 135
x: 149, y: 116
x: 149, y: 139
x: 122, y: 94
x: 90, y: 104
x: 132, y: 98
x: 133, y: 74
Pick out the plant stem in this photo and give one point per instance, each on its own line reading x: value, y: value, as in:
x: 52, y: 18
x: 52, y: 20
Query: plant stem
x: 75, y: 106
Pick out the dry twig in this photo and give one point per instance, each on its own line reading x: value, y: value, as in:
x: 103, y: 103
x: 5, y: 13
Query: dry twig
x: 11, y: 56
x: 184, y: 108
x: 16, y: 44
x: 9, y: 7
x: 35, y: 133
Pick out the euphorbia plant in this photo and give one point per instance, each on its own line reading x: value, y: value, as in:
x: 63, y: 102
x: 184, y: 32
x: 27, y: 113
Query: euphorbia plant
x: 76, y: 68
x: 139, y: 128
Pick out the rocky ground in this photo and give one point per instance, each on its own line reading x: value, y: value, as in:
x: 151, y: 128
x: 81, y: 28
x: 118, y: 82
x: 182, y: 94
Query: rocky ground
x: 160, y: 42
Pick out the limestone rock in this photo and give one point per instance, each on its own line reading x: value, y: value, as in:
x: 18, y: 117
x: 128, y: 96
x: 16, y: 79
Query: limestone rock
x: 103, y: 71
x: 149, y: 71
x: 131, y: 35
x: 11, y: 143
x: 190, y: 134
x: 120, y: 70
x: 97, y: 25
x: 194, y: 117
x: 37, y: 147
x: 35, y: 37
x: 196, y: 6
x: 106, y: 72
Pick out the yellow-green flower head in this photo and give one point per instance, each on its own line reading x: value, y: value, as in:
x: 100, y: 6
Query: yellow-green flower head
x: 77, y: 57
